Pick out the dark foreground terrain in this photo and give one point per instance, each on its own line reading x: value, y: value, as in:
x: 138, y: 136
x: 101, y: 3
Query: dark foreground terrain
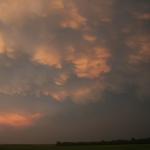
x: 76, y: 147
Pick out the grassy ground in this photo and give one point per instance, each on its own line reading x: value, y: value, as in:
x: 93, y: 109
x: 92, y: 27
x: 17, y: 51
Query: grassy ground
x: 52, y: 147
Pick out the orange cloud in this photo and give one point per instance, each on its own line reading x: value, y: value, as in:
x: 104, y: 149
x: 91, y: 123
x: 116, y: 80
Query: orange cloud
x: 142, y: 55
x: 142, y: 16
x: 88, y: 93
x: 56, y: 4
x: 79, y: 94
x: 4, y: 49
x: 17, y: 11
x: 82, y: 63
x: 47, y: 56
x: 18, y: 120
x: 61, y: 80
x: 89, y: 38
x: 2, y: 46
x: 72, y: 18
x: 82, y: 94
x: 142, y: 46
x: 91, y: 65
x: 57, y: 95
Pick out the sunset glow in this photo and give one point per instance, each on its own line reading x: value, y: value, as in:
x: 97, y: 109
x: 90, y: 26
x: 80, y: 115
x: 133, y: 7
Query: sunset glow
x: 74, y: 70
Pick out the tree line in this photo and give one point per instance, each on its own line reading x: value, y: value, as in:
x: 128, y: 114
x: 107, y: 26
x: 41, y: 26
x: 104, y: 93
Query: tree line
x: 103, y: 142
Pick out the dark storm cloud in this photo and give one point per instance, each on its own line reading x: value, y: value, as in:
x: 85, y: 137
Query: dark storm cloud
x: 57, y: 38
x: 56, y: 55
x: 130, y: 47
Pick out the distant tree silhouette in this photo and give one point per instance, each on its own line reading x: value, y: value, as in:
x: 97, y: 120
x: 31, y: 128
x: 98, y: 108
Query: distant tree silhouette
x: 113, y: 142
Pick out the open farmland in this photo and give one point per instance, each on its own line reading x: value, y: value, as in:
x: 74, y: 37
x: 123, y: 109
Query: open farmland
x: 96, y: 147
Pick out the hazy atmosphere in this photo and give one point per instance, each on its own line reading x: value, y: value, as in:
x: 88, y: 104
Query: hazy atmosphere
x: 74, y: 70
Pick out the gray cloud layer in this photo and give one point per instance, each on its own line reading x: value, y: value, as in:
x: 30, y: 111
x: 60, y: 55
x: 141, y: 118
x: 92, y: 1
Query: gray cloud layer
x: 61, y: 59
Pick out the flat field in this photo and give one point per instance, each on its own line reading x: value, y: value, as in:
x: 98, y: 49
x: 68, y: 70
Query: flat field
x: 77, y: 147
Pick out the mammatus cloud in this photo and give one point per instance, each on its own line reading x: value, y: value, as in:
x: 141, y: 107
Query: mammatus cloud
x: 2, y: 46
x: 4, y: 49
x: 72, y: 18
x: 143, y: 16
x: 61, y: 79
x: 92, y: 63
x: 84, y: 64
x: 139, y: 60
x: 142, y: 49
x: 18, y: 120
x: 89, y: 37
x: 48, y: 57
x: 22, y: 10
x: 82, y: 94
x: 64, y: 46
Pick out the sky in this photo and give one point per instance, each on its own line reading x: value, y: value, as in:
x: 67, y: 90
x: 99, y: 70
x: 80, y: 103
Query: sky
x: 74, y: 70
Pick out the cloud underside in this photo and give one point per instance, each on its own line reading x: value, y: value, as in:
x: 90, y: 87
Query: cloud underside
x: 59, y: 60
x: 65, y: 50
x: 18, y: 120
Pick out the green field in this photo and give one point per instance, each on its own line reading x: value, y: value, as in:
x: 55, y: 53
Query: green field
x: 53, y: 147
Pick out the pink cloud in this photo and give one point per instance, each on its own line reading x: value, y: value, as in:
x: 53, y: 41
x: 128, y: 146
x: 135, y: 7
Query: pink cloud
x: 19, y: 120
